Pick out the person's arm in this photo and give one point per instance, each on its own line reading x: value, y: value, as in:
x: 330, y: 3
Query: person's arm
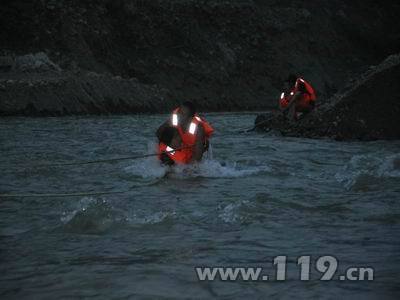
x: 198, y: 147
x: 161, y: 128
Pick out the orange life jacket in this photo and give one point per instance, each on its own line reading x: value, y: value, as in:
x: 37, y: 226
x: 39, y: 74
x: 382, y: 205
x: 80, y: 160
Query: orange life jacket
x: 178, y: 156
x: 307, y: 97
x: 189, y: 137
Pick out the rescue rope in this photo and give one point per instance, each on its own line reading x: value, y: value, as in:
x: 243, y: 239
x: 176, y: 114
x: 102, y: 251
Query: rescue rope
x: 77, y: 163
x: 82, y: 194
x: 45, y: 195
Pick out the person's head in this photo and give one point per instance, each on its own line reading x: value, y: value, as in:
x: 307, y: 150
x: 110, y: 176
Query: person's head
x: 169, y: 136
x: 290, y: 80
x: 187, y: 110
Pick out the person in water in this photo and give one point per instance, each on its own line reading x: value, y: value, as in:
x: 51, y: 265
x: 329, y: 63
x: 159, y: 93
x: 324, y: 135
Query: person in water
x: 189, y: 137
x: 298, y: 97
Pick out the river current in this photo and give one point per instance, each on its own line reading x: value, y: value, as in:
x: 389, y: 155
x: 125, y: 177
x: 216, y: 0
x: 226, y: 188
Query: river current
x: 255, y: 197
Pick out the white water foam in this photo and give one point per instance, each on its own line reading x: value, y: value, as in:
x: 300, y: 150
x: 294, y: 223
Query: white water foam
x: 155, y: 218
x: 148, y: 168
x: 231, y: 212
x: 82, y: 206
x: 92, y: 215
x: 208, y: 168
x: 362, y: 169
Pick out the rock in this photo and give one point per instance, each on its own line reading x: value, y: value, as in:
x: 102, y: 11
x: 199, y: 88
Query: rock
x: 68, y: 93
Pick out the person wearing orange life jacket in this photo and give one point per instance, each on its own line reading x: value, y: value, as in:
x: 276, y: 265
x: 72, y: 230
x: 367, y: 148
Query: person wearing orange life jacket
x: 299, y: 97
x: 193, y: 130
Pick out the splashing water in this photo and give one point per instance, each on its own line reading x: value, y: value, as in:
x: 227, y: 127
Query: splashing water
x: 92, y: 216
x: 96, y: 216
x: 209, y: 168
x: 151, y: 168
x: 231, y: 213
x: 148, y: 168
x: 152, y: 218
x: 363, y: 171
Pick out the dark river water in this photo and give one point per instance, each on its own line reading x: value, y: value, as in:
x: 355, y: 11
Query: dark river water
x: 256, y: 197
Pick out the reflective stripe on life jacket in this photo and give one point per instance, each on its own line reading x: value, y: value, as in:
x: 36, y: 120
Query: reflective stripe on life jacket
x: 175, y: 119
x: 310, y: 94
x: 170, y: 150
x: 178, y: 156
x: 189, y: 137
x: 284, y: 100
x: 307, y: 97
x: 208, y: 130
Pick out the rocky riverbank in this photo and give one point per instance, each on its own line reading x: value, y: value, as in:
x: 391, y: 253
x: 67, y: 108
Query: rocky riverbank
x: 367, y: 109
x: 38, y: 87
x: 120, y: 56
